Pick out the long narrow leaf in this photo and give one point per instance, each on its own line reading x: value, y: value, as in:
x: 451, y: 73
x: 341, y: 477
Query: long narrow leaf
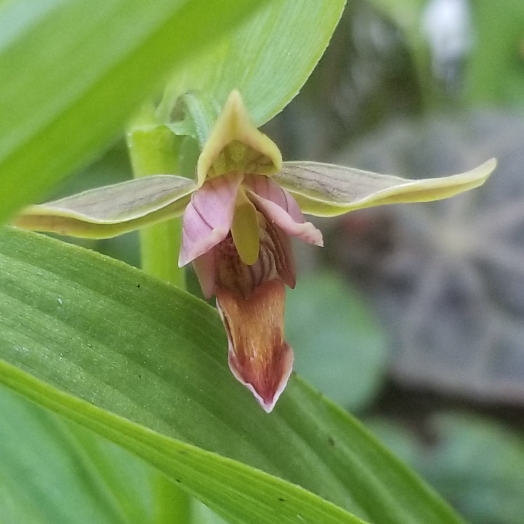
x: 267, y: 59
x: 74, y: 71
x: 57, y: 481
x: 145, y: 365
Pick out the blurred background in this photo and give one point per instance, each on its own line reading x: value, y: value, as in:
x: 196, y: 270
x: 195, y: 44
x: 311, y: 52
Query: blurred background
x: 412, y: 317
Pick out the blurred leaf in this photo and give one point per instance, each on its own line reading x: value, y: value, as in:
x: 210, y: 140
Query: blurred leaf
x: 74, y: 71
x: 495, y: 67
x: 475, y: 464
x: 267, y: 60
x: 496, y: 70
x: 479, y: 467
x: 365, y: 76
x: 340, y: 348
x: 203, y: 515
x: 47, y: 477
x: 73, y: 322
x: 407, y: 15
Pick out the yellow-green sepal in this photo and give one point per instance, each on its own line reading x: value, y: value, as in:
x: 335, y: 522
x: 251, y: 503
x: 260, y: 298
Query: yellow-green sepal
x: 235, y: 144
x: 330, y: 190
x: 111, y: 210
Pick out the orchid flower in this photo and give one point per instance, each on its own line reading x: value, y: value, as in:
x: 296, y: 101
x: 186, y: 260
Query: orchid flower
x: 238, y: 219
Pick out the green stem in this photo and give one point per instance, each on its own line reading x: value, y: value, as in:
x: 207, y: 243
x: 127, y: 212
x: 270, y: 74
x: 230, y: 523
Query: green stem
x: 153, y: 149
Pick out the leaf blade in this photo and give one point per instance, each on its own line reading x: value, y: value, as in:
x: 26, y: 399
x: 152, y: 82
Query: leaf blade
x: 77, y: 315
x: 267, y: 60
x: 201, y: 468
x: 44, y: 464
x: 83, y: 76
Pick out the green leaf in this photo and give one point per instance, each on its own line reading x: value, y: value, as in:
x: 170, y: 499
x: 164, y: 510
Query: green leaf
x: 341, y: 349
x: 494, y: 73
x: 144, y: 365
x: 408, y: 15
x: 74, y: 71
x: 58, y: 474
x: 267, y: 60
x: 476, y: 463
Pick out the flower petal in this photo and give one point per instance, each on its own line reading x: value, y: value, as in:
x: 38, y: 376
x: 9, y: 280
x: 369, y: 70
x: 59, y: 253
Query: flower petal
x: 204, y: 267
x: 208, y: 217
x: 275, y: 261
x: 280, y: 207
x: 111, y: 210
x: 258, y: 356
x: 235, y: 144
x: 245, y: 229
x: 329, y: 190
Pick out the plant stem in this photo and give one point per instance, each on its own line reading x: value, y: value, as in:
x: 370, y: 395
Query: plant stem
x: 153, y: 150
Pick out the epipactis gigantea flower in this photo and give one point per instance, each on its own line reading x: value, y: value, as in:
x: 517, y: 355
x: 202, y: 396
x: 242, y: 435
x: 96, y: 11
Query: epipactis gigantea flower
x: 238, y: 219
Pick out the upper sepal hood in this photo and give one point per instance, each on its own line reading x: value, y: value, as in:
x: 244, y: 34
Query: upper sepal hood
x: 235, y: 144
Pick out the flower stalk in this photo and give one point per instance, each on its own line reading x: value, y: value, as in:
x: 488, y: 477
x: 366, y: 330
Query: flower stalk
x: 153, y: 149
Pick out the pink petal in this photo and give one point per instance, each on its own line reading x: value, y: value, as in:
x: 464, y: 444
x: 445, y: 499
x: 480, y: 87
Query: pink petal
x: 207, y: 218
x: 276, y: 256
x: 280, y: 207
x: 204, y: 267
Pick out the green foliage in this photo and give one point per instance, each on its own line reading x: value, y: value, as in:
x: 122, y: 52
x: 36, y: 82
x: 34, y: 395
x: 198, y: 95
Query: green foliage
x: 127, y: 356
x: 495, y: 73
x: 143, y: 364
x: 73, y: 73
x: 473, y: 462
x: 341, y: 348
x: 293, y: 37
x: 54, y: 472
